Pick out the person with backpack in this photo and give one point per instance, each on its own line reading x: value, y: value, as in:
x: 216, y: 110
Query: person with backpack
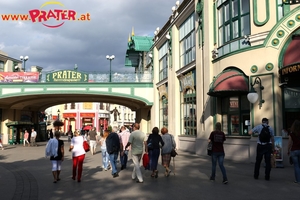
x: 265, y: 147
x: 113, y: 146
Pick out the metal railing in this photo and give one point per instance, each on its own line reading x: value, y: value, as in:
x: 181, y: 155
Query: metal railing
x: 97, y: 77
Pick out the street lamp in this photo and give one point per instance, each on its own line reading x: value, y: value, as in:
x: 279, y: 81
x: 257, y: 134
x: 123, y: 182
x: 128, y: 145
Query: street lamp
x: 110, y: 58
x: 58, y: 112
x: 24, y: 59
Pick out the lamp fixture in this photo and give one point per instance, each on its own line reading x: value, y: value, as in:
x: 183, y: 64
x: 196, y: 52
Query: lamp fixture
x: 252, y: 95
x: 110, y: 58
x: 168, y: 36
x: 24, y: 59
x: 215, y: 53
x: 246, y: 40
x: 150, y: 55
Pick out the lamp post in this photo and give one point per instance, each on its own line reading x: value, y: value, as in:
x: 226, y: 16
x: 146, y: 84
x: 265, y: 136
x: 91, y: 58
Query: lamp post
x: 110, y: 58
x: 252, y: 95
x: 24, y: 59
x: 58, y: 112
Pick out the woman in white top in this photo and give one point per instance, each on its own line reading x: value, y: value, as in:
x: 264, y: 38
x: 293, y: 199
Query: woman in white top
x: 105, y: 155
x: 78, y: 154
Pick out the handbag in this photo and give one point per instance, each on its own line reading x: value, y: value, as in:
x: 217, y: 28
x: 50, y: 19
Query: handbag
x: 86, y: 146
x: 173, y: 153
x: 209, y: 148
x: 146, y: 161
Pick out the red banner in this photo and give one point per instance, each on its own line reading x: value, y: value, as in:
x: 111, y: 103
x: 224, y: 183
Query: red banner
x: 19, y: 77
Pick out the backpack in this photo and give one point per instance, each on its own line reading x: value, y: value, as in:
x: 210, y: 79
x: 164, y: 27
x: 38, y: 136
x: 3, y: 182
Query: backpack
x: 265, y: 134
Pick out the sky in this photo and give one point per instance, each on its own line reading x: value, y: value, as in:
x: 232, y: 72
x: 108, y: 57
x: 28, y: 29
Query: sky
x: 84, y: 43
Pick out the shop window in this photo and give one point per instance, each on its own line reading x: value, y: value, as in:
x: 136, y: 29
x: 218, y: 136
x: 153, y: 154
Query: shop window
x: 163, y: 111
x: 233, y: 24
x: 189, y: 113
x: 101, y: 106
x: 235, y: 112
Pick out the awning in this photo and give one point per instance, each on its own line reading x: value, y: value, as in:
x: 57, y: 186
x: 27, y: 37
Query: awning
x: 230, y: 82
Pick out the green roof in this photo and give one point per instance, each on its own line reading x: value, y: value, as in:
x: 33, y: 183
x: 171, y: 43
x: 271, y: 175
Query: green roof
x: 140, y: 43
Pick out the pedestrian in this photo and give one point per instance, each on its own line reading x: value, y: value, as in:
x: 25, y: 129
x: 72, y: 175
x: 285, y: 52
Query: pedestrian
x: 78, y: 155
x: 93, y: 140
x: 113, y: 146
x: 25, y: 140
x: 217, y: 138
x: 136, y: 140
x: 154, y: 143
x: 294, y: 148
x: 1, y: 145
x: 33, y: 137
x: 169, y: 145
x: 124, y: 135
x: 55, y: 149
x: 264, y: 148
x: 105, y: 155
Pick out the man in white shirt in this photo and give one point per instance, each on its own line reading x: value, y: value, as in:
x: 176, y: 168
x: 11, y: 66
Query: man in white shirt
x: 33, y: 137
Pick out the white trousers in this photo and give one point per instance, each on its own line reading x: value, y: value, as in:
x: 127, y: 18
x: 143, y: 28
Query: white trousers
x: 136, y: 173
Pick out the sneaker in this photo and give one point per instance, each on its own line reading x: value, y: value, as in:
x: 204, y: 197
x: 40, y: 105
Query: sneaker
x: 212, y: 179
x: 267, y: 178
x: 115, y: 175
x: 225, y: 181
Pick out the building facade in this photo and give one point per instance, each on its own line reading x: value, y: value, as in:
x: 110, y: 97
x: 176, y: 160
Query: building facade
x: 210, y: 55
x: 84, y: 115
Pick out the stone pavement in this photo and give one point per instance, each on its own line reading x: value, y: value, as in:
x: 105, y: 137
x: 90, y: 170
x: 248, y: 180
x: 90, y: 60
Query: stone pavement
x: 25, y: 174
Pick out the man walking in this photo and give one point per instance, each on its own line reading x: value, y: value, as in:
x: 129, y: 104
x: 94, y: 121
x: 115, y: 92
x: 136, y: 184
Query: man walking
x: 265, y: 147
x: 113, y: 146
x: 93, y: 140
x: 33, y: 137
x: 137, y: 139
x: 26, y: 135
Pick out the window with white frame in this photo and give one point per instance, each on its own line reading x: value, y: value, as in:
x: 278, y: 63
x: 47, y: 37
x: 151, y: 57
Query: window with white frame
x: 233, y: 19
x: 163, y: 62
x: 187, y: 41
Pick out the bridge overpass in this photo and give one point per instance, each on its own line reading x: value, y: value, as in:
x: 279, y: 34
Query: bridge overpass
x: 134, y: 92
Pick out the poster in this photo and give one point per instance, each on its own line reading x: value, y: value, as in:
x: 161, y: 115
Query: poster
x: 278, y: 148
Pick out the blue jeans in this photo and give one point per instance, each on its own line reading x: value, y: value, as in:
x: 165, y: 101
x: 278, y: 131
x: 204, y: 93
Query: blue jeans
x: 153, y: 157
x: 113, y: 161
x: 296, y: 160
x: 218, y: 156
x: 105, y: 158
x: 124, y: 158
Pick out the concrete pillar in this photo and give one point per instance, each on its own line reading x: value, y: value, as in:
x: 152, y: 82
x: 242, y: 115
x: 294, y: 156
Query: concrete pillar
x: 142, y: 119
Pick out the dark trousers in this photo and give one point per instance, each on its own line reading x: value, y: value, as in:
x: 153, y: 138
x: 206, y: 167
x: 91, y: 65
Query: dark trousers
x: 124, y: 159
x: 263, y: 151
x: 153, y: 158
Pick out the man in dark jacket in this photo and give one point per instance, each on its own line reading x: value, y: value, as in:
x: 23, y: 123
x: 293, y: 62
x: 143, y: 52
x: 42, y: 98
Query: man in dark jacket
x: 113, y: 146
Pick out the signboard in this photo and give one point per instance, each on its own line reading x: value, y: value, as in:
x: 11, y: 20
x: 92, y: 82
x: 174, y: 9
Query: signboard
x: 278, y: 148
x: 66, y: 76
x: 19, y: 77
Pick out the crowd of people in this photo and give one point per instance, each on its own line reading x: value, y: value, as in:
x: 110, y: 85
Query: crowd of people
x: 114, y: 144
x: 117, y: 143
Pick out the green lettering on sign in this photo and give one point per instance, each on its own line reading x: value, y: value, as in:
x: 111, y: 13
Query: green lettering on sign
x: 66, y: 76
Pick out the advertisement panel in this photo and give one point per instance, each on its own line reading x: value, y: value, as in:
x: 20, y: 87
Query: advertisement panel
x: 19, y: 77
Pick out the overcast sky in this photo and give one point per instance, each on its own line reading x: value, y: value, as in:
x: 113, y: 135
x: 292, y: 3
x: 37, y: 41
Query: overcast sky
x: 85, y: 43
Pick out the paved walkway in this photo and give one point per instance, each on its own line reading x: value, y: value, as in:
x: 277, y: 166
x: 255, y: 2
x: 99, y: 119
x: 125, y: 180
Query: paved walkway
x: 25, y: 174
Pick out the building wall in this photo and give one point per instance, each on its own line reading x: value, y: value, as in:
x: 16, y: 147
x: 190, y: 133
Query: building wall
x: 264, y: 54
